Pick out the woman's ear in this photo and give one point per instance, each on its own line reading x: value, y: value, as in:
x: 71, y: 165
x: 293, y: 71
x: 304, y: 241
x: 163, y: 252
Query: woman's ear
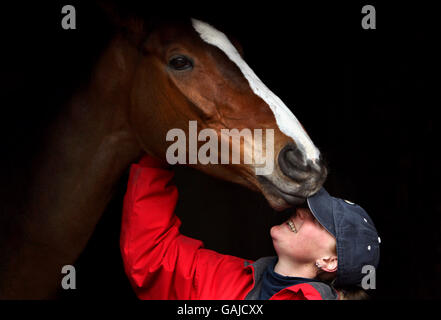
x: 328, y: 264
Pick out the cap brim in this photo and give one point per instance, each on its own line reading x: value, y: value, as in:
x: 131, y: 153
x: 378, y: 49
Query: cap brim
x: 321, y: 205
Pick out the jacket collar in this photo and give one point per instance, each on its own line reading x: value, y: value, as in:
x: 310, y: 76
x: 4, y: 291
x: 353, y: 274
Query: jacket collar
x: 325, y: 291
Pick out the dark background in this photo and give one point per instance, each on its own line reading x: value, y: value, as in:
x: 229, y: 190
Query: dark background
x: 368, y: 99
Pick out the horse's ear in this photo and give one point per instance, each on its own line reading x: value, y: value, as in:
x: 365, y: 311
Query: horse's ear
x: 125, y: 21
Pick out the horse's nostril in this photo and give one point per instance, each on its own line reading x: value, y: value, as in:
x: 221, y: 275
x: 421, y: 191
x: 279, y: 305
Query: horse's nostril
x: 293, y: 164
x: 295, y: 158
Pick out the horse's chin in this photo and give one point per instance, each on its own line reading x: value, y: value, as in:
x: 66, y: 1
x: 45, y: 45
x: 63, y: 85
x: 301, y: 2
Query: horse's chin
x: 278, y: 199
x: 283, y: 201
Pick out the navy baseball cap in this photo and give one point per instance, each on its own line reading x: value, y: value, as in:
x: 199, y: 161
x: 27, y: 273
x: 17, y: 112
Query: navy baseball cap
x: 358, y: 243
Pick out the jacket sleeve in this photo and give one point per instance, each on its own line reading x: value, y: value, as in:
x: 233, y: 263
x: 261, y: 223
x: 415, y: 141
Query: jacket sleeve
x: 160, y: 262
x: 150, y: 240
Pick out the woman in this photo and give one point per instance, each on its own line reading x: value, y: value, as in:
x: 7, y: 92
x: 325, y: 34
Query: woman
x: 328, y: 242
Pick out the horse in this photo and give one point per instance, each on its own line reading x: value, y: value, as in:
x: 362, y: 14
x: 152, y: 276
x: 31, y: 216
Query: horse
x: 152, y: 77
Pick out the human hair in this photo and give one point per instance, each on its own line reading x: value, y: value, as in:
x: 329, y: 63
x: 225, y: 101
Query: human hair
x: 352, y: 293
x: 344, y: 292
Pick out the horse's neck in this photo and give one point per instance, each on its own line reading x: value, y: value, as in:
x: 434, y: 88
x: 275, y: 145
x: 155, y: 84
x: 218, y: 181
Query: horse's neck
x: 88, y: 149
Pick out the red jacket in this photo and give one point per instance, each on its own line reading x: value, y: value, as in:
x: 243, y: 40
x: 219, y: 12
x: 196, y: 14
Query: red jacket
x: 161, y: 263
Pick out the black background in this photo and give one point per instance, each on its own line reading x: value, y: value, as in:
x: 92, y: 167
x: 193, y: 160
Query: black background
x: 368, y: 99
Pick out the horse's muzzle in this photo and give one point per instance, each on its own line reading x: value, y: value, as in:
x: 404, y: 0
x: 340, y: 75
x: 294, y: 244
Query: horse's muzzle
x: 296, y: 180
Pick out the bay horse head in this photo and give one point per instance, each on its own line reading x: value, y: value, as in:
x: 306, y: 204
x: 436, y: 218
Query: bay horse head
x: 187, y: 70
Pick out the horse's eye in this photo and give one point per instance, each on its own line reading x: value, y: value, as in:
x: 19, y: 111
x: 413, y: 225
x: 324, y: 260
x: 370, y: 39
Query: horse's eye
x: 180, y: 63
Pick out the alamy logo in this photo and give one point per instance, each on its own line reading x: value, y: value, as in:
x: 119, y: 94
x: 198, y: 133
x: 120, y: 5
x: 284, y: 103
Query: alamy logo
x: 369, y: 280
x: 69, y: 20
x: 255, y: 153
x: 369, y: 20
x: 69, y: 280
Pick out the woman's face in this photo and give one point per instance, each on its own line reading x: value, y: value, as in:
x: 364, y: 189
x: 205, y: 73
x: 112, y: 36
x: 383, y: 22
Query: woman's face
x: 305, y: 241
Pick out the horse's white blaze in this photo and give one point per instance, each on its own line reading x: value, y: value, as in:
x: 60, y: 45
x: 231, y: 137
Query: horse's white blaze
x: 285, y: 119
